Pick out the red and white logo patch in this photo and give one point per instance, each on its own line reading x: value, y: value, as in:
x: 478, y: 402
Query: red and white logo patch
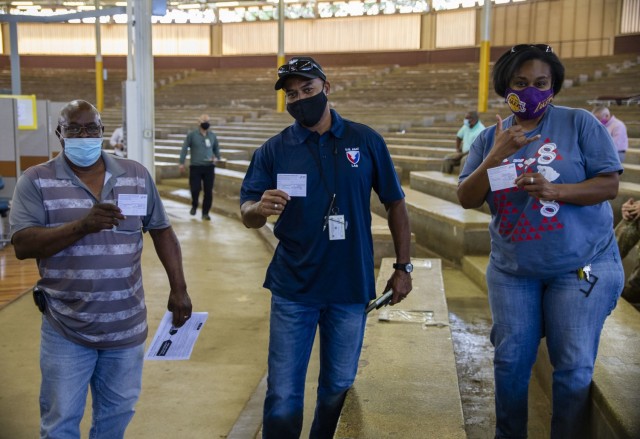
x: 353, y: 155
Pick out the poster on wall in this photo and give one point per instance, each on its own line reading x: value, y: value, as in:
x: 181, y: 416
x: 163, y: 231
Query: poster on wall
x: 27, y: 115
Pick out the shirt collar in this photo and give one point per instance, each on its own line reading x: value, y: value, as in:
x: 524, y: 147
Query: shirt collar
x: 301, y: 133
x: 64, y: 171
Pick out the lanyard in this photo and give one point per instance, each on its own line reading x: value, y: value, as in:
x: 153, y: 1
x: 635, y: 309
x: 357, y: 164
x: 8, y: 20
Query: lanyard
x: 324, y: 180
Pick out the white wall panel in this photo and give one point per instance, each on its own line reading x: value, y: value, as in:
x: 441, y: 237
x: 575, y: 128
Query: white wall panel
x: 630, y: 22
x: 351, y: 34
x: 456, y: 29
x: 79, y: 39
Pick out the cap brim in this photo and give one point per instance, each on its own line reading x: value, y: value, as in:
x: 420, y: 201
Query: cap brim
x: 280, y: 81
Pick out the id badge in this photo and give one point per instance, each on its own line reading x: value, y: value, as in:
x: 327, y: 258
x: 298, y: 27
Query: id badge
x: 336, y: 227
x: 207, y: 142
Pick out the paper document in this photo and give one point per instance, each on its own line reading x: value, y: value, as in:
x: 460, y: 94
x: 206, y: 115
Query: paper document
x: 502, y: 177
x: 133, y: 204
x: 171, y: 343
x: 295, y: 185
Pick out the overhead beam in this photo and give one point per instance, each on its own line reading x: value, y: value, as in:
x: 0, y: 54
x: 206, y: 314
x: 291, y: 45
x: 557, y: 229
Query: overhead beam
x: 13, y: 18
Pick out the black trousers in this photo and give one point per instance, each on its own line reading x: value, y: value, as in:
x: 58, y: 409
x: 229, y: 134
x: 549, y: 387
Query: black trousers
x: 202, y: 177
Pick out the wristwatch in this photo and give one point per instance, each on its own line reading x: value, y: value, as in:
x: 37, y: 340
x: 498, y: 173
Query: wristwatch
x: 407, y: 268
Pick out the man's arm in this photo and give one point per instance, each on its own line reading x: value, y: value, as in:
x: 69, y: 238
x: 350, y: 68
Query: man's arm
x: 183, y: 152
x: 398, y: 219
x: 43, y: 242
x: 251, y: 216
x: 169, y: 252
x: 458, y: 144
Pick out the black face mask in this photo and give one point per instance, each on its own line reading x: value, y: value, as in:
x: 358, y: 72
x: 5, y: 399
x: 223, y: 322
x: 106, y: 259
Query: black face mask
x: 205, y: 125
x: 308, y: 111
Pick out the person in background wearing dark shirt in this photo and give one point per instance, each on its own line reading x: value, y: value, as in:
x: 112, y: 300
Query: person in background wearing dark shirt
x: 205, y: 151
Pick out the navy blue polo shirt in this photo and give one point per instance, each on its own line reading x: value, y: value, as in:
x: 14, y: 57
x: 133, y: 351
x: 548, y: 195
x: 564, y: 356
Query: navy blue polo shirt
x: 348, y: 161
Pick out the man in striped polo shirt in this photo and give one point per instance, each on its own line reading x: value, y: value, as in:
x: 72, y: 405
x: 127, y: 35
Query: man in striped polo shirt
x: 65, y: 214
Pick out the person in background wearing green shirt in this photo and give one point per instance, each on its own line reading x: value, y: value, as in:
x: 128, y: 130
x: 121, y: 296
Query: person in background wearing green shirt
x: 205, y: 152
x: 465, y: 137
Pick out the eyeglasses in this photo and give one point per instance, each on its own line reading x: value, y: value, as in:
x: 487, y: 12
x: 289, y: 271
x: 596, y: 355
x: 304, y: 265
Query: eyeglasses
x: 543, y: 47
x: 298, y: 65
x: 92, y: 129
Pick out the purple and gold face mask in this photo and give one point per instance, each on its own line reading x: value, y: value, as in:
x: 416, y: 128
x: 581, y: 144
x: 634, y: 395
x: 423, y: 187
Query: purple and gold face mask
x: 528, y: 103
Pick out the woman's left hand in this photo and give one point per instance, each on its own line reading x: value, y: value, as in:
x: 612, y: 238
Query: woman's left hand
x: 537, y: 186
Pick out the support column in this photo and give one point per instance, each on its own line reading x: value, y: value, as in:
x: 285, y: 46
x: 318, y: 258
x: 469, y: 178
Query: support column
x: 16, y: 87
x: 99, y: 67
x: 485, y: 52
x: 139, y: 89
x: 280, y: 59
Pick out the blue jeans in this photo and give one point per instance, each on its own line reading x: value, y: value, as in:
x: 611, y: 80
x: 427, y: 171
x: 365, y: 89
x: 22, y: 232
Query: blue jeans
x: 524, y: 310
x: 292, y: 331
x: 68, y: 369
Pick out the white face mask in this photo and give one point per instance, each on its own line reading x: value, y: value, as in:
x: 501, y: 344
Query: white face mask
x: 83, y: 151
x: 466, y: 122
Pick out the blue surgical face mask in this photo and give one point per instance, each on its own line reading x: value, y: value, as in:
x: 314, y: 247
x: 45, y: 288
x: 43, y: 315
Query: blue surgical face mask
x: 466, y: 122
x: 83, y: 151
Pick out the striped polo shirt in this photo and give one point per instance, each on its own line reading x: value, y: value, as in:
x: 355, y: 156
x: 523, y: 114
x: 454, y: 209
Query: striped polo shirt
x: 94, y: 287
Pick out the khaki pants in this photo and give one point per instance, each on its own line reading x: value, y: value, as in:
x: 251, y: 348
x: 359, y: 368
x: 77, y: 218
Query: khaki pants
x: 452, y: 160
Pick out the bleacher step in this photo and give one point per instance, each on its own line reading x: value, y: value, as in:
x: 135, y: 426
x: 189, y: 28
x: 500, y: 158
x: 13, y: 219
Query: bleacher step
x: 631, y: 173
x: 475, y: 268
x: 445, y: 227
x: 419, y: 151
x: 410, y: 164
x: 616, y: 381
x: 407, y: 383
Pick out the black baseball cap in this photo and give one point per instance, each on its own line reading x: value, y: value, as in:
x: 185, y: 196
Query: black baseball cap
x: 304, y: 66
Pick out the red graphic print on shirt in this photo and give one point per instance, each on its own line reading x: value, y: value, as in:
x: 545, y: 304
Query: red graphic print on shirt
x: 526, y: 218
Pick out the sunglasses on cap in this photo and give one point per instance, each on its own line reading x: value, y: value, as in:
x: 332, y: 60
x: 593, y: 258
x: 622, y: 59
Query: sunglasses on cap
x: 298, y: 65
x: 542, y: 47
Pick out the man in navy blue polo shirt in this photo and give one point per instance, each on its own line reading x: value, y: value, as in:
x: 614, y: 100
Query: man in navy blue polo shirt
x: 317, y: 175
